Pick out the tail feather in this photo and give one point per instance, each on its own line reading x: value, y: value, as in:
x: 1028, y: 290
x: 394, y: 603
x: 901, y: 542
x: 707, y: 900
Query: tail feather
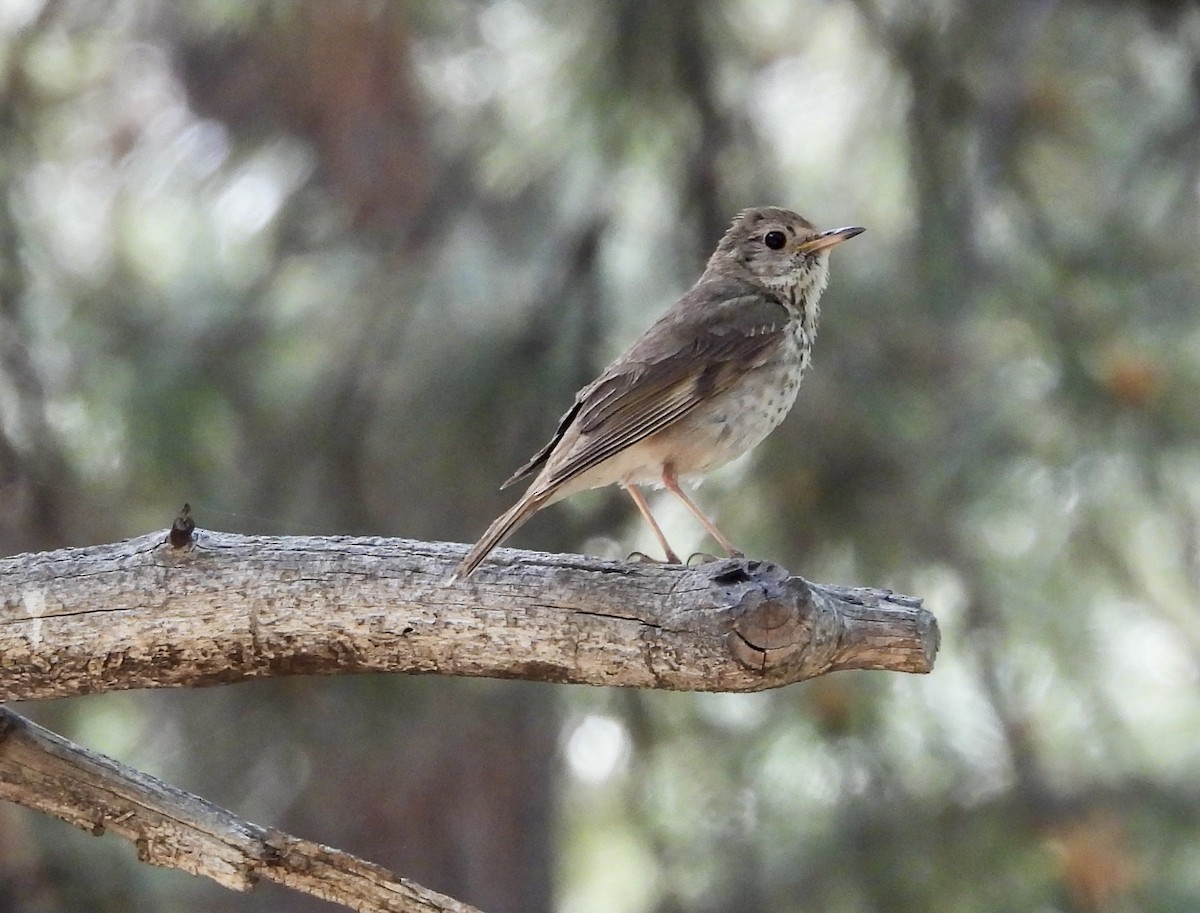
x: 502, y: 527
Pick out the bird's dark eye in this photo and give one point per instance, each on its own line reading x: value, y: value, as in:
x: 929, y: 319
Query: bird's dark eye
x: 774, y: 239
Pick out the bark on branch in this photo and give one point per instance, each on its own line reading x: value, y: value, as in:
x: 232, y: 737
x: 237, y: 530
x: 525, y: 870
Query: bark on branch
x: 221, y: 608
x: 170, y: 827
x: 190, y: 608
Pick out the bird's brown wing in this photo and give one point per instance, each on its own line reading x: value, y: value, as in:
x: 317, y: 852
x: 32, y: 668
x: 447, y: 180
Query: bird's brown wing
x: 701, y: 347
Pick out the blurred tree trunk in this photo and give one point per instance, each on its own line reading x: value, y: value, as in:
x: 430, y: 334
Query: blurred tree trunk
x: 474, y: 811
x: 33, y: 476
x: 473, y: 814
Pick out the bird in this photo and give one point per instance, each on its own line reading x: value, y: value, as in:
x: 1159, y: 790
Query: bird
x: 706, y: 383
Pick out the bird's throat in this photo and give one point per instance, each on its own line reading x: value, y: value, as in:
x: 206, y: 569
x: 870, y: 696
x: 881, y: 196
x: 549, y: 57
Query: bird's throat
x: 804, y: 304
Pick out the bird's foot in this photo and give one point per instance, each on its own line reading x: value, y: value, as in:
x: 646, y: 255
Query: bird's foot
x: 643, y: 558
x: 697, y: 558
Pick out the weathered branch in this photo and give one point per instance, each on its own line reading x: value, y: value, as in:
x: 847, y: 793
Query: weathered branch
x: 189, y: 608
x: 172, y: 828
x: 223, y: 608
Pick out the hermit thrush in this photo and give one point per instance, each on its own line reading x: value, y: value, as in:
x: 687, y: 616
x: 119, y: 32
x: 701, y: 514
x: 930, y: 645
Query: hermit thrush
x: 705, y: 384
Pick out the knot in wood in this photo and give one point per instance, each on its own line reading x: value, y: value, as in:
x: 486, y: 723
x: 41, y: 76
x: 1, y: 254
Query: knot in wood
x: 772, y: 611
x: 182, y: 528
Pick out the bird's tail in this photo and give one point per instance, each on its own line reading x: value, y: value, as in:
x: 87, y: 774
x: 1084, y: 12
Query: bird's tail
x: 501, y: 528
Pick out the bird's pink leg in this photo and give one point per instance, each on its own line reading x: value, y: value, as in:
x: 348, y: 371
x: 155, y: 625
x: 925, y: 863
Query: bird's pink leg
x: 644, y: 509
x: 672, y: 482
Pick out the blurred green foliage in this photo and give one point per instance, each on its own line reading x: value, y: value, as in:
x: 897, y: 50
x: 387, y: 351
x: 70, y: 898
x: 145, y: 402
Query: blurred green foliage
x: 330, y: 266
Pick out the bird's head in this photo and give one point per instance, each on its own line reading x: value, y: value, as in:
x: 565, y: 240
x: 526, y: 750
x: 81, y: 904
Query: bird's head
x: 780, y: 250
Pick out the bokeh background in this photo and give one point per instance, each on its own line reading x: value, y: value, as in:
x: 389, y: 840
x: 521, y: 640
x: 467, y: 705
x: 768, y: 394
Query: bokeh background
x: 330, y: 266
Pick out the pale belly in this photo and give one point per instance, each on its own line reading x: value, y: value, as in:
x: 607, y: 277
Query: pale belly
x: 713, y: 434
x: 732, y: 424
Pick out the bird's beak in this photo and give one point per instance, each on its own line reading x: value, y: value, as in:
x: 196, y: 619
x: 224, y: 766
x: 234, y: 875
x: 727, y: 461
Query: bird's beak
x: 828, y: 239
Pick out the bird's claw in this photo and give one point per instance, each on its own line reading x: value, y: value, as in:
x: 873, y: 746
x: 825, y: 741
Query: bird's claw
x: 643, y: 558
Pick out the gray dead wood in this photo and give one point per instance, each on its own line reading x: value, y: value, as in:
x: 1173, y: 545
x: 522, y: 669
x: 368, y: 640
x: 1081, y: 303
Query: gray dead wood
x: 225, y: 608
x: 214, y: 608
x: 170, y: 827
